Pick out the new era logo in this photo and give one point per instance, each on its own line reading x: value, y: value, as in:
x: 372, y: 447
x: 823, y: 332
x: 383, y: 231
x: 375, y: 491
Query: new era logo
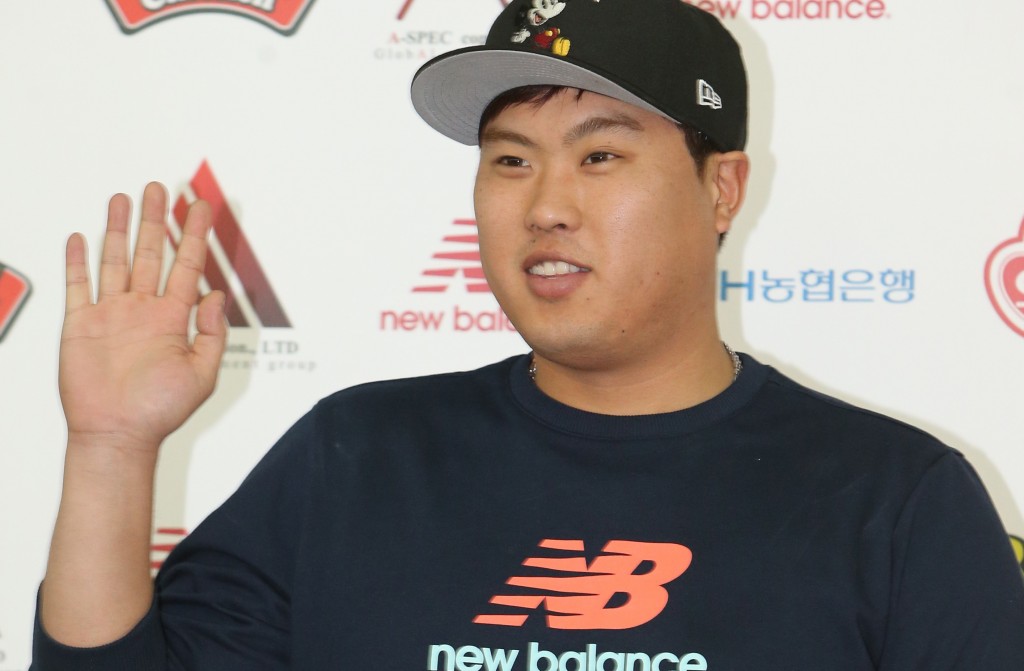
x: 707, y: 97
x: 608, y: 593
x: 283, y: 16
x: 461, y: 257
x: 231, y: 265
x: 14, y: 291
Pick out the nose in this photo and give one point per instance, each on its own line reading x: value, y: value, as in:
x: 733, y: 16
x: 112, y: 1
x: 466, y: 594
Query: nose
x: 555, y: 203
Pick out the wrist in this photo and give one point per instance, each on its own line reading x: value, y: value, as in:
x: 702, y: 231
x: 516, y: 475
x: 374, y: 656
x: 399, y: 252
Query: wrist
x: 112, y: 449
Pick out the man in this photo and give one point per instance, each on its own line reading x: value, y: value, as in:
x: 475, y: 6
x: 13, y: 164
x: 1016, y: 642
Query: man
x: 631, y: 495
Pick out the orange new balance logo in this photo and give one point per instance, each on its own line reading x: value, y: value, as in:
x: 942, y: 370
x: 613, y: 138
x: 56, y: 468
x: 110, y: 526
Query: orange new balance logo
x: 586, y: 597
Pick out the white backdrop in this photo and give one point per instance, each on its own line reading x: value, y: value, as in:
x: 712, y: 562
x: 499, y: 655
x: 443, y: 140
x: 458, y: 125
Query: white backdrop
x: 886, y: 140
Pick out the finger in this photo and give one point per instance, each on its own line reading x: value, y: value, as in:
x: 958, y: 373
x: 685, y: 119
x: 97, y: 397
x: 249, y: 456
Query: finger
x: 147, y: 263
x: 78, y: 292
x: 190, y: 261
x: 212, y: 336
x: 114, y: 259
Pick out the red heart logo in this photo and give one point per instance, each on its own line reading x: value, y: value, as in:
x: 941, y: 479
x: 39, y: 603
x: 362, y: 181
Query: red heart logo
x: 1004, y: 281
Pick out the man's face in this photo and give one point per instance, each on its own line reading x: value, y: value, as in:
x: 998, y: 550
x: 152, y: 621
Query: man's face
x: 598, y: 237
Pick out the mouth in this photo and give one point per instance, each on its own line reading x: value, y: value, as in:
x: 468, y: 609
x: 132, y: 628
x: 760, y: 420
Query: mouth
x: 555, y: 269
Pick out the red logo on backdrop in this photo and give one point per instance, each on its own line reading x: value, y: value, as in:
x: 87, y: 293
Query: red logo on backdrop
x: 14, y: 291
x: 283, y: 16
x: 164, y: 540
x: 461, y: 257
x: 1004, y: 281
x: 407, y: 5
x: 231, y: 265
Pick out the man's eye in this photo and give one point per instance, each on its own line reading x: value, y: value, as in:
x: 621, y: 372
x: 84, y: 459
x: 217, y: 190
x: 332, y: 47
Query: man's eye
x: 513, y: 162
x: 599, y: 157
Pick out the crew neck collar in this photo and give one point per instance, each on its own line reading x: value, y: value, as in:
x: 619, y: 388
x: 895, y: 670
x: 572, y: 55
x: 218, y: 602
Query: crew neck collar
x: 572, y: 420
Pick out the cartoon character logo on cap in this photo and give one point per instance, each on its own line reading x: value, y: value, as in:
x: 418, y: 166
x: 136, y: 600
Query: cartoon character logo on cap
x: 532, y: 16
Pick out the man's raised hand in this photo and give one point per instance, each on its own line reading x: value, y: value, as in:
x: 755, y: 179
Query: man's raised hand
x: 129, y: 374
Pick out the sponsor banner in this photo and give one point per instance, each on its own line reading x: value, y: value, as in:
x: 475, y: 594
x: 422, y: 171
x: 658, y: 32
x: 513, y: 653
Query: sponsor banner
x: 412, y: 40
x: 818, y: 285
x: 455, y: 269
x: 1004, y: 281
x: 165, y: 539
x: 251, y: 304
x: 231, y: 266
x: 407, y: 5
x: 14, y: 291
x: 417, y: 36
x: 462, y: 259
x: 795, y: 10
x: 283, y: 16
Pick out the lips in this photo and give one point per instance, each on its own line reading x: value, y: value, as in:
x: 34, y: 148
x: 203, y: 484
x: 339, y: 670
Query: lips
x: 554, y: 277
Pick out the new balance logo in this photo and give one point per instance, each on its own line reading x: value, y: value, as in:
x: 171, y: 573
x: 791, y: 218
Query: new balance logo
x: 283, y: 16
x: 14, y: 291
x: 584, y: 599
x: 164, y: 540
x: 231, y: 265
x: 707, y: 97
x: 462, y: 258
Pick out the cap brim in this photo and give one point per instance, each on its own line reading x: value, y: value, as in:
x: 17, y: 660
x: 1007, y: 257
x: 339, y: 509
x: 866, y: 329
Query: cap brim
x: 452, y: 91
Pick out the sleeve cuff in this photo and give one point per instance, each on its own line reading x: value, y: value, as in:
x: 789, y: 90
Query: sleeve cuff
x: 141, y: 649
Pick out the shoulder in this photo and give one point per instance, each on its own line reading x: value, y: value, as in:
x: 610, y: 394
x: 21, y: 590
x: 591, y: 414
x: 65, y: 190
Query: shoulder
x: 821, y: 427
x: 426, y: 390
x: 407, y: 406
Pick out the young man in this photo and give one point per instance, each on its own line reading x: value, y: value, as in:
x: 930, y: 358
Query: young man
x: 632, y: 495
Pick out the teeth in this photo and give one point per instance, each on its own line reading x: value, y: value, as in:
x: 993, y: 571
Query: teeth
x: 553, y: 268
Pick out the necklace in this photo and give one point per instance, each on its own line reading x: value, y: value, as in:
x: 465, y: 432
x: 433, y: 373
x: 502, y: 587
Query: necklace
x: 737, y: 364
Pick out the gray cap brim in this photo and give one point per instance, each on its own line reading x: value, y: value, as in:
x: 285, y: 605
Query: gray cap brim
x: 452, y: 91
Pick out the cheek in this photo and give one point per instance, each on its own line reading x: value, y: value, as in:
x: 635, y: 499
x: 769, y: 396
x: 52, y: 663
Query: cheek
x: 496, y: 242
x: 491, y: 198
x: 657, y: 236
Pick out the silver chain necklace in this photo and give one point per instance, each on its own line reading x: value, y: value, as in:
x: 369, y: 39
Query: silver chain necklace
x: 737, y: 364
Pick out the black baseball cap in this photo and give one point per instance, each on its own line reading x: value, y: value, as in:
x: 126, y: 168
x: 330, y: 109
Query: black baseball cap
x: 665, y: 56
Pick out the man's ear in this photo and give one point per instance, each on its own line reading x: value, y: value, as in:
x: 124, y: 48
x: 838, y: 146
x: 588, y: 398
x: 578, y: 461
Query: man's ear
x: 728, y: 173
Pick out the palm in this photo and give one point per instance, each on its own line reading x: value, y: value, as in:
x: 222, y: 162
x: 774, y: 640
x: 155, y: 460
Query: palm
x: 127, y: 367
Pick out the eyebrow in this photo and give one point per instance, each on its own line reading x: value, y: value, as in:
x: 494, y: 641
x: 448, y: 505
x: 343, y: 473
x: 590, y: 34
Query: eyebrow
x: 493, y: 134
x: 617, y: 123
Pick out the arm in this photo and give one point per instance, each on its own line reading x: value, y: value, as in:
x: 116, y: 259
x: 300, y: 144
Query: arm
x: 129, y: 377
